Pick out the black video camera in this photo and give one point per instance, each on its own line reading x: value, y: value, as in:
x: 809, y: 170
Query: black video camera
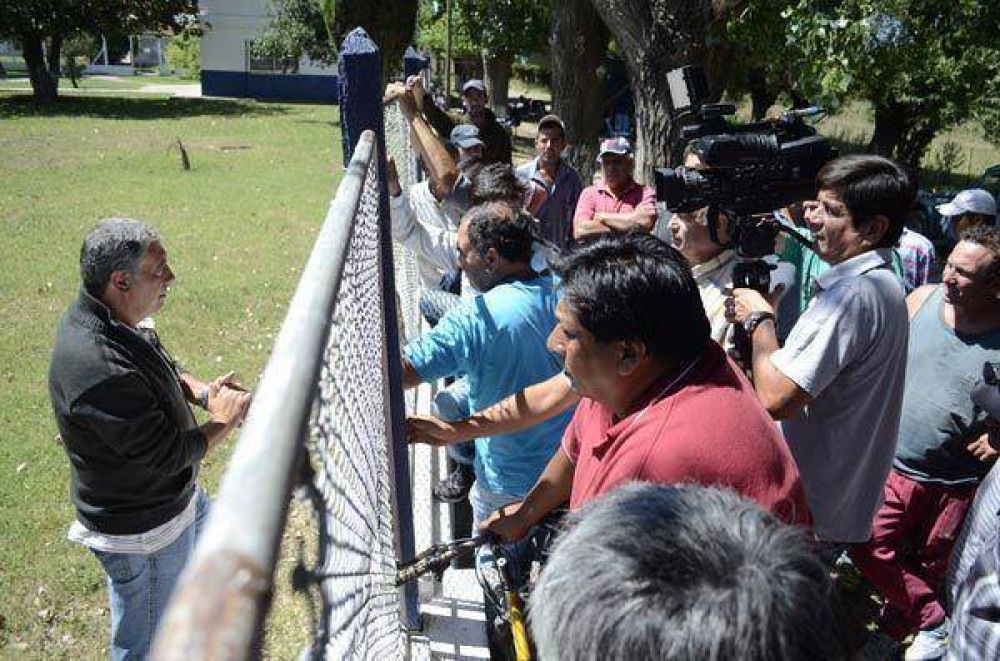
x: 747, y: 169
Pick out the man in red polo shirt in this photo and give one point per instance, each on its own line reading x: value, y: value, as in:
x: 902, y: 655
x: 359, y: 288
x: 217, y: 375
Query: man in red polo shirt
x: 661, y: 402
x: 618, y: 203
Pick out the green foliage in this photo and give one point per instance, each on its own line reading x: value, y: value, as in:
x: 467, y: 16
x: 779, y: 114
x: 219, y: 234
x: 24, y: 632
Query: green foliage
x: 930, y: 63
x: 184, y: 54
x: 42, y: 26
x: 59, y: 18
x: 504, y: 27
x: 937, y: 52
x: 434, y: 28
x: 532, y: 69
x: 76, y: 52
x: 315, y: 28
x: 297, y: 29
x: 950, y: 157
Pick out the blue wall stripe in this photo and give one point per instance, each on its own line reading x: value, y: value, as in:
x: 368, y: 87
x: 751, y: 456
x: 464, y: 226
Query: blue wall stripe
x: 278, y: 87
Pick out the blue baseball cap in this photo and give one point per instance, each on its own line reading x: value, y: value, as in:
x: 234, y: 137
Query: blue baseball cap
x: 465, y: 136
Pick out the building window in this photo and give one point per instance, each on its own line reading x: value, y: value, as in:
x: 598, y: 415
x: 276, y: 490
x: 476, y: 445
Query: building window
x: 263, y: 63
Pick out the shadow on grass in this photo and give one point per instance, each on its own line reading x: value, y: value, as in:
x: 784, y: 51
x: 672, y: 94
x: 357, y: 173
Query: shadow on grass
x: 131, y: 108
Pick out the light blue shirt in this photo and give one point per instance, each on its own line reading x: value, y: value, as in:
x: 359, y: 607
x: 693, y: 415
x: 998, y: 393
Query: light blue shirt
x: 498, y: 341
x: 556, y: 212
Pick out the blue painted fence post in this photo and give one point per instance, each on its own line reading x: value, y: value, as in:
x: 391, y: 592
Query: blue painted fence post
x: 413, y: 62
x: 360, y: 79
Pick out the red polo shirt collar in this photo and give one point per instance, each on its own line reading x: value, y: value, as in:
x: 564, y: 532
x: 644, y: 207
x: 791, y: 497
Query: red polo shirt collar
x: 603, y: 188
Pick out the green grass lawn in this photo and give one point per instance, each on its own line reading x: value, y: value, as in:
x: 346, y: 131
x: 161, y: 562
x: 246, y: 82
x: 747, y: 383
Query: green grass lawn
x: 238, y: 228
x: 90, y: 83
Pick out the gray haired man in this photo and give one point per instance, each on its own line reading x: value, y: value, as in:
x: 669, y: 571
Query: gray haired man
x: 656, y: 572
x: 122, y: 406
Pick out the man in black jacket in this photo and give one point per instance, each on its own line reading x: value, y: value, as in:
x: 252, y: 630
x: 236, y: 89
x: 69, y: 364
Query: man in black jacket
x: 122, y: 408
x: 496, y: 140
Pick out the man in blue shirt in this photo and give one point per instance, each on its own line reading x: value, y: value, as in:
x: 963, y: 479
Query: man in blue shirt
x: 498, y: 341
x: 560, y: 180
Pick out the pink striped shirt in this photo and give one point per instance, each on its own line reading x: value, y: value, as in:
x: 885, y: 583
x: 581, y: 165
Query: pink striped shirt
x: 599, y: 199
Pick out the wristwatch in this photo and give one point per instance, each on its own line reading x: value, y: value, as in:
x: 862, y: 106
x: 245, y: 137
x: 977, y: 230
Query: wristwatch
x: 203, y: 397
x: 755, y: 319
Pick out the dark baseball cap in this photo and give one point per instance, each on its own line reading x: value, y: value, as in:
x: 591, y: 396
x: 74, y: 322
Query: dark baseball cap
x: 550, y: 121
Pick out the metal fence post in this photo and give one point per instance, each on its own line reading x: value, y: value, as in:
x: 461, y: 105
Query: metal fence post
x: 360, y: 79
x: 413, y: 62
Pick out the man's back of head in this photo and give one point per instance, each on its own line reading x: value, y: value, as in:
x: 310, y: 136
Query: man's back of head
x: 497, y: 182
x: 655, y: 572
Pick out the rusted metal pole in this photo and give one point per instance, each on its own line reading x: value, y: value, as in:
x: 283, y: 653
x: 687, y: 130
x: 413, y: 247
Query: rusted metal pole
x: 219, y: 606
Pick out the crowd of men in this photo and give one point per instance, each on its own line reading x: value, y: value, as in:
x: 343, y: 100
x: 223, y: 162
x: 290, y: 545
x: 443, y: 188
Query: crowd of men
x: 586, y: 339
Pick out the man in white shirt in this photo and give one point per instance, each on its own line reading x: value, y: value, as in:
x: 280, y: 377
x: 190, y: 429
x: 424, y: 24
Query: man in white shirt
x: 837, y: 384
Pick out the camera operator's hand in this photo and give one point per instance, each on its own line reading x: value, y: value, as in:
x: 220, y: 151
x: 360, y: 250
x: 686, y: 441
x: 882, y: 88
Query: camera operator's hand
x: 742, y: 302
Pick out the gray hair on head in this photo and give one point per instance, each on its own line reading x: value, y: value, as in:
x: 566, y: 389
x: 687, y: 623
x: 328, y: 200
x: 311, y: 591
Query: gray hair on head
x: 116, y: 244
x: 657, y: 572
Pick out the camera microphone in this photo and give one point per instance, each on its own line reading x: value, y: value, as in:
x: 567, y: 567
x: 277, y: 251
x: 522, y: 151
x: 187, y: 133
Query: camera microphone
x: 810, y: 111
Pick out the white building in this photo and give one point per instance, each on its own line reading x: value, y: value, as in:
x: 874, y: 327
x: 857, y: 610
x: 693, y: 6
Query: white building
x: 227, y: 68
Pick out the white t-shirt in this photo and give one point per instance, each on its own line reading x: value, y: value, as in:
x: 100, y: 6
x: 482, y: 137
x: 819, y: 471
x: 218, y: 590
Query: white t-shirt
x: 848, y: 351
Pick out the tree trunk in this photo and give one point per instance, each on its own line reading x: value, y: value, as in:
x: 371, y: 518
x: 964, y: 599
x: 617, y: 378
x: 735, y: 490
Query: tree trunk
x: 44, y: 85
x: 656, y: 36
x: 762, y: 95
x: 903, y: 133
x: 496, y: 76
x: 889, y: 128
x: 54, y: 56
x: 579, y: 43
x: 912, y: 148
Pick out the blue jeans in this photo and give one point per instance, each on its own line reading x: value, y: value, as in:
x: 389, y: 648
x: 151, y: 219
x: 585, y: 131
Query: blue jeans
x: 140, y: 585
x: 520, y: 554
x: 452, y: 403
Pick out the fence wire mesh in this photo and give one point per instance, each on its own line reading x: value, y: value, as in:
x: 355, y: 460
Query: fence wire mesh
x: 431, y: 521
x: 349, y: 454
x: 397, y: 146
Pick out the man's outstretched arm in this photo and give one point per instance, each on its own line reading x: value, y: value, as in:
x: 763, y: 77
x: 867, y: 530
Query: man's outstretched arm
x: 514, y: 521
x: 520, y: 411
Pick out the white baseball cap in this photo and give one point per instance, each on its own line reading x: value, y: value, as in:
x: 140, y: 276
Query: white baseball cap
x: 972, y: 200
